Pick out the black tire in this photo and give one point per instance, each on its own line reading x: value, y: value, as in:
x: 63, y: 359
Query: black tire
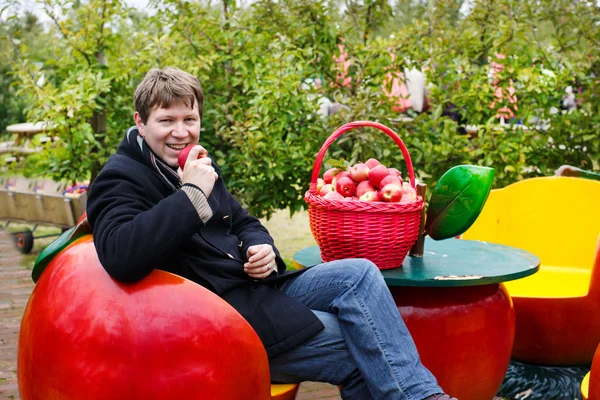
x: 23, y: 241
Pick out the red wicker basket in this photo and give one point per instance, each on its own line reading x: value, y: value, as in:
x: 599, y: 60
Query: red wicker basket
x: 381, y: 232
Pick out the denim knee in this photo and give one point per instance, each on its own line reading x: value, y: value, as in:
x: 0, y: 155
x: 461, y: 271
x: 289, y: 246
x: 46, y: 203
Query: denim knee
x: 361, y: 267
x: 358, y: 266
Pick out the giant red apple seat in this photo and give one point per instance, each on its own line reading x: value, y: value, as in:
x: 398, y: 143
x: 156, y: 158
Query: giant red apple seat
x: 87, y: 336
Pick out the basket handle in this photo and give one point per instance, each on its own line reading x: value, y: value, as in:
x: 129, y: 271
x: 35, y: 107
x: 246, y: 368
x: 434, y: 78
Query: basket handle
x: 353, y: 125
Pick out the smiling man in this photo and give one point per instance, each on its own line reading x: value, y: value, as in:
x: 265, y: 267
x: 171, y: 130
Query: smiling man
x: 335, y: 322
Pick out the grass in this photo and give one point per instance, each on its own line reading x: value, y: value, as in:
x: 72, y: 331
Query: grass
x: 290, y: 234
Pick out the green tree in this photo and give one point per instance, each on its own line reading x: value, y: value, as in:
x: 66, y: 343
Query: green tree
x: 261, y: 123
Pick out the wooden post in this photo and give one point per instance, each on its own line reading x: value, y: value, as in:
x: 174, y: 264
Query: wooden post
x: 419, y: 246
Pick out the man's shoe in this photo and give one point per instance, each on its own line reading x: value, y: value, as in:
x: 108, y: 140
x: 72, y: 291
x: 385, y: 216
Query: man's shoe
x: 440, y: 396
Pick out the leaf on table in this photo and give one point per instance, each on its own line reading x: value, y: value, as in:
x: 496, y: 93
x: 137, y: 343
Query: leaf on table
x: 457, y: 200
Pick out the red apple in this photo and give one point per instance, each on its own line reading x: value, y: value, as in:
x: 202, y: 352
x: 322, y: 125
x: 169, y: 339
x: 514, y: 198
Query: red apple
x: 395, y: 172
x: 390, y: 179
x: 370, y: 196
x: 328, y: 187
x: 320, y: 184
x: 359, y: 172
x: 329, y: 174
x: 339, y: 175
x: 183, y: 155
x: 372, y: 163
x: 408, y: 193
x: 333, y: 196
x: 364, y: 187
x: 391, y: 192
x: 87, y: 336
x: 377, y: 174
x: 345, y: 186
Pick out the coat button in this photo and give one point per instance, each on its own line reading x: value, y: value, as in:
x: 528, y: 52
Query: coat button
x: 230, y: 256
x: 225, y: 217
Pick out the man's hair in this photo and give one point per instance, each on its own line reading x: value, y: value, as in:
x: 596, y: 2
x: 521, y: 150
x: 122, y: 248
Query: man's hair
x: 164, y: 87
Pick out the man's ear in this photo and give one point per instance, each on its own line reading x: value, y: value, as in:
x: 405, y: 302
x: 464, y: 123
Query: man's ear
x: 138, y: 122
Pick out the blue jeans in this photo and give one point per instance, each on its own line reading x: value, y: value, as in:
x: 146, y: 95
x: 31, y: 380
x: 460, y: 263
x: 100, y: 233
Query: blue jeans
x: 365, y: 345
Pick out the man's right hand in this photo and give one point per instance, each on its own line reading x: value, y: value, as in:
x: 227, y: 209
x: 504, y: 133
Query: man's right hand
x: 199, y: 171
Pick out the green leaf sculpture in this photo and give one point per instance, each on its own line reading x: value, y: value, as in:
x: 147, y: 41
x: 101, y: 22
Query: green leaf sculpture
x: 57, y: 246
x: 457, y: 200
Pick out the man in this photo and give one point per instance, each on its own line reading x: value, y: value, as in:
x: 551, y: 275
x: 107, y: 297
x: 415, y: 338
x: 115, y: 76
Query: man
x: 334, y: 323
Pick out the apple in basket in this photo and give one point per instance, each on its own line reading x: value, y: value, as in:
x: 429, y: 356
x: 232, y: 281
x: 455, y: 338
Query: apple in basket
x: 408, y: 193
x: 395, y: 172
x: 320, y: 184
x: 370, y: 196
x: 377, y: 174
x: 327, y: 188
x: 339, y: 175
x: 183, y: 155
x: 359, y: 172
x: 372, y: 163
x: 333, y: 196
x: 390, y: 179
x: 345, y: 186
x: 364, y: 187
x: 329, y: 174
x: 392, y: 192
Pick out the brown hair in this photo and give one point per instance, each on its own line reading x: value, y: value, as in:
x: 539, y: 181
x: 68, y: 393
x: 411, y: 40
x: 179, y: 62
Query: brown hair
x: 163, y: 87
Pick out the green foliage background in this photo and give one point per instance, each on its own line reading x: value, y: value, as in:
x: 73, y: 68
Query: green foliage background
x: 261, y: 126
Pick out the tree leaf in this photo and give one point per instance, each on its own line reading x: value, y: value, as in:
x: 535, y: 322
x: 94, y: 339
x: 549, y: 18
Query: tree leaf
x: 457, y: 200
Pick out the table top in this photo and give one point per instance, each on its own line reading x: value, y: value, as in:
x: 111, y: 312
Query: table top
x: 451, y: 262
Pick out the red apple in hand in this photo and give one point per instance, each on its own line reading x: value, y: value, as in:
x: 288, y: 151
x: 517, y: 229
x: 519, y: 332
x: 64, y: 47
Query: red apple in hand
x: 377, y: 174
x: 391, y: 192
x: 359, y: 172
x: 370, y: 196
x: 345, y: 186
x: 183, y: 155
x: 364, y: 187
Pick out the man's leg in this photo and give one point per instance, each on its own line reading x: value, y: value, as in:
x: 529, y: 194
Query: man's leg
x: 374, y: 332
x: 322, y: 358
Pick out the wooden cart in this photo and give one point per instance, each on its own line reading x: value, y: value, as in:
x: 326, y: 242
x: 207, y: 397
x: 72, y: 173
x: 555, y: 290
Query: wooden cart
x: 38, y: 202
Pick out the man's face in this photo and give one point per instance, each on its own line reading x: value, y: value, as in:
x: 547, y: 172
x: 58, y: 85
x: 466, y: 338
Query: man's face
x: 169, y: 130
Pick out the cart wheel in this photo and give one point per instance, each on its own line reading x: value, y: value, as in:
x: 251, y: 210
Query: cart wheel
x: 23, y: 241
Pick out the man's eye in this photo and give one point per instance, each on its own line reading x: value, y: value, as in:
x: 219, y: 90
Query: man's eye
x: 164, y: 120
x: 191, y: 119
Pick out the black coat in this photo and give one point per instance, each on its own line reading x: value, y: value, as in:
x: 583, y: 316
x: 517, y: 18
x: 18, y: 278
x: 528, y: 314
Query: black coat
x: 140, y: 222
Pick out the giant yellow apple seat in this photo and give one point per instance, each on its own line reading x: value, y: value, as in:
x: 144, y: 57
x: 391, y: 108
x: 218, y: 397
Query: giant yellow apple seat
x: 87, y: 336
x: 557, y: 309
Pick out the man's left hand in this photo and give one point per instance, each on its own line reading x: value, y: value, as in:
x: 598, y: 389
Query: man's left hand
x: 261, y: 261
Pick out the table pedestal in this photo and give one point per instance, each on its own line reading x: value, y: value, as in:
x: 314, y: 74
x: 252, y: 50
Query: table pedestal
x: 464, y: 335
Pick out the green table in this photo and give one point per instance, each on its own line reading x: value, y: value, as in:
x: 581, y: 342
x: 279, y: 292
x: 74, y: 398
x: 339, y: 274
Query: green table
x: 457, y: 309
x: 450, y: 263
